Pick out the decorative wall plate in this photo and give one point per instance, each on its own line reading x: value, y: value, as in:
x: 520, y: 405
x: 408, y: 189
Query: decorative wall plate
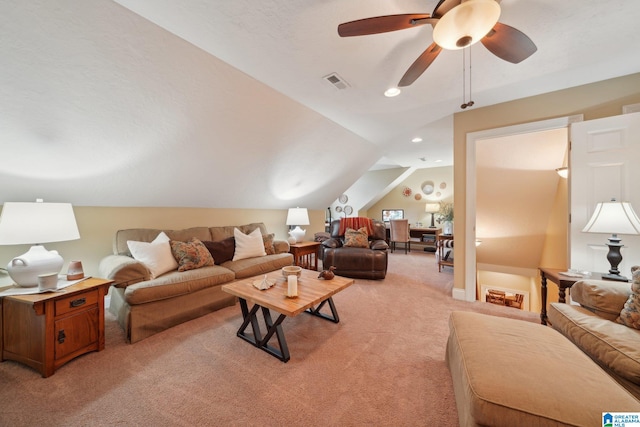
x: 338, y: 209
x: 343, y: 199
x: 348, y: 210
x: 418, y: 196
x: 406, y: 191
x: 427, y: 187
x: 443, y: 185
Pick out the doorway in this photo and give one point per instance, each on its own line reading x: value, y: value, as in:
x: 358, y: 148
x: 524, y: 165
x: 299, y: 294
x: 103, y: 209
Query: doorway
x: 473, y: 139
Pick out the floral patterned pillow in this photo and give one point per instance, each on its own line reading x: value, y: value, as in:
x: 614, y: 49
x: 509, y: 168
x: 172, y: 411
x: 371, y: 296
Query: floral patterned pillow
x: 191, y: 255
x: 267, y: 240
x: 356, y: 238
x: 630, y: 314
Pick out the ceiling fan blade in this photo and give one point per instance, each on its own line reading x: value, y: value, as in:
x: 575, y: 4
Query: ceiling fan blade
x: 384, y: 24
x: 444, y: 6
x: 509, y: 44
x: 420, y: 65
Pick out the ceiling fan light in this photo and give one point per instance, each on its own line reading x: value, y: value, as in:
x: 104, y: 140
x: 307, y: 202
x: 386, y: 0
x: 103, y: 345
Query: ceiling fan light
x: 466, y: 24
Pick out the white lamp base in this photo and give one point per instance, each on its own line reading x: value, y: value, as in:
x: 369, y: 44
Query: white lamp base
x: 297, y: 233
x: 26, y: 268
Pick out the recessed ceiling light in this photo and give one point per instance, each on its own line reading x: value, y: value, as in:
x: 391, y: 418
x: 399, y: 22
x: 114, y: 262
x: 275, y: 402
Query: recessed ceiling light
x: 416, y: 139
x: 391, y: 92
x: 438, y: 161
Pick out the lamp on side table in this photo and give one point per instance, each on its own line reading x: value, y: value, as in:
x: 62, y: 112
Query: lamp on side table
x: 613, y: 218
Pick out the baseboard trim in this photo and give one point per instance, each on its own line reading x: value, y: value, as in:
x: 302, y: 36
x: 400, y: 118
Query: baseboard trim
x: 459, y: 294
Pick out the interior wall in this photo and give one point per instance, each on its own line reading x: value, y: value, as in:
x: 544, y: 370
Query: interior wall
x: 516, y: 186
x: 97, y: 226
x: 596, y: 100
x: 555, y: 253
x: 414, y: 207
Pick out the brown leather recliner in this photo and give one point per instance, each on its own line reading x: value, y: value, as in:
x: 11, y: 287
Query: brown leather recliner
x: 361, y: 263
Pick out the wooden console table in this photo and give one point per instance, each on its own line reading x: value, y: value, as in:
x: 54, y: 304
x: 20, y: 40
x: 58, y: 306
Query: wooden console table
x: 47, y: 330
x: 563, y: 282
x: 415, y: 234
x: 305, y: 254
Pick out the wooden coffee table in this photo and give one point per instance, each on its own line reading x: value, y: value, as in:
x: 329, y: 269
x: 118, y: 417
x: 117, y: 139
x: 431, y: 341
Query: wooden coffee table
x: 313, y: 295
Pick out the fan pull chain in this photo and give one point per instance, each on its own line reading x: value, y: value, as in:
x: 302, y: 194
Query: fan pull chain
x: 464, y: 92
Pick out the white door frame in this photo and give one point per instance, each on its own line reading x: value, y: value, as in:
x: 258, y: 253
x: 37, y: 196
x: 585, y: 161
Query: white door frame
x: 473, y: 138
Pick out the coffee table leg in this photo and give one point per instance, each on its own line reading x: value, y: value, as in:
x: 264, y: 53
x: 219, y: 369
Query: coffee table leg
x: 283, y: 352
x: 334, y: 312
x: 250, y: 316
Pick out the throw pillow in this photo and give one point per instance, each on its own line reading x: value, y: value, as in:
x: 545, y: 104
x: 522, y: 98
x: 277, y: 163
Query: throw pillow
x: 630, y: 314
x: 248, y: 245
x: 221, y: 250
x: 156, y: 256
x: 191, y: 255
x: 356, y: 238
x: 267, y: 240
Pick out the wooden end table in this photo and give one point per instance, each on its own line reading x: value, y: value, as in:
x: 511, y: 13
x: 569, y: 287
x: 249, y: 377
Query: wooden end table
x: 563, y: 282
x: 305, y: 254
x: 47, y: 330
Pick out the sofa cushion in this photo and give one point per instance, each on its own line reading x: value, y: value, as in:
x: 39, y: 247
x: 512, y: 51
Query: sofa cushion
x: 155, y: 255
x: 258, y: 265
x: 356, y: 238
x: 177, y: 283
x: 191, y: 254
x: 602, y: 297
x: 120, y: 246
x: 612, y: 345
x: 219, y: 233
x: 222, y: 250
x: 248, y: 245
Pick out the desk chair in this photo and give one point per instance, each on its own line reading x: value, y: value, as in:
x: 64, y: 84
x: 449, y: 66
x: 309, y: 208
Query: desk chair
x: 399, y: 233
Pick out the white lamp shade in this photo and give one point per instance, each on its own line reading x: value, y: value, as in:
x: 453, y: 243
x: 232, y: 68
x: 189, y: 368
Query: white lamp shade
x: 298, y: 216
x: 466, y: 24
x: 613, y: 218
x: 432, y: 207
x: 33, y: 223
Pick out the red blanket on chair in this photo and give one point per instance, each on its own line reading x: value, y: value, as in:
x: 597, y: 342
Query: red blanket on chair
x: 356, y: 223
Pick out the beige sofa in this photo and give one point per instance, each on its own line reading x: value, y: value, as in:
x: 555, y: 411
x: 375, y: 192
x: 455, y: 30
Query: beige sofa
x: 592, y: 326
x: 509, y: 372
x: 145, y: 306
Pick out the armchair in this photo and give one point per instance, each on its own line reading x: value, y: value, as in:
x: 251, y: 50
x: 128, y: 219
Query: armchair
x: 357, y: 262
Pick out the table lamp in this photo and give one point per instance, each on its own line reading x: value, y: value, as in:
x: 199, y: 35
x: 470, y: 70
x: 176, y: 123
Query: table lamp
x: 36, y: 223
x: 613, y: 218
x: 432, y: 208
x: 297, y: 217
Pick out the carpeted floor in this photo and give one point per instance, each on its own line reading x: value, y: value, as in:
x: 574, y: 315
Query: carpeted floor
x: 382, y: 365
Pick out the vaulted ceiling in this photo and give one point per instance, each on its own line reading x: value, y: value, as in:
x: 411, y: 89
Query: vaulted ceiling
x: 223, y: 103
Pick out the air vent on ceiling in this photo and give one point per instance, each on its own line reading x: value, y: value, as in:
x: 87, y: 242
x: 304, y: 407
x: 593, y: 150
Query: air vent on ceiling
x: 336, y: 81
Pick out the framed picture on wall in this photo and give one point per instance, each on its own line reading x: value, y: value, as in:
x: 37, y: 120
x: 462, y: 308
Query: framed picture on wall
x: 389, y: 214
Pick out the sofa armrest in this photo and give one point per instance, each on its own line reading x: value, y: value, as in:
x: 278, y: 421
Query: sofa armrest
x: 332, y: 243
x: 379, y: 245
x: 605, y: 298
x: 123, y: 270
x: 281, y: 246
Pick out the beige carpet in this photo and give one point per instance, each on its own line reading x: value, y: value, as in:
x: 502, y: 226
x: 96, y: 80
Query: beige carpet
x: 382, y: 365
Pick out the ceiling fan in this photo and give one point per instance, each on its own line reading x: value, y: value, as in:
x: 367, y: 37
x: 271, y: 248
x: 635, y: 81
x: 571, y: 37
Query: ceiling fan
x: 456, y: 25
